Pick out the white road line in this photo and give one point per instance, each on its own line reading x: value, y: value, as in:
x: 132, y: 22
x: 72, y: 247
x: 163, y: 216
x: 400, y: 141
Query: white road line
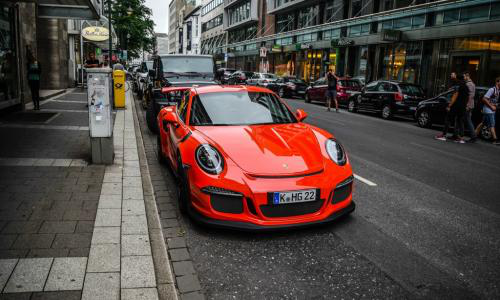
x: 364, y: 180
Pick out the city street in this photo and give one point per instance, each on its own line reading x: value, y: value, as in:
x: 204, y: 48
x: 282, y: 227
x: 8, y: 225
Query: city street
x: 426, y: 223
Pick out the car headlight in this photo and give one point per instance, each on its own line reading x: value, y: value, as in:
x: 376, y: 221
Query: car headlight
x: 336, y: 152
x: 209, y: 159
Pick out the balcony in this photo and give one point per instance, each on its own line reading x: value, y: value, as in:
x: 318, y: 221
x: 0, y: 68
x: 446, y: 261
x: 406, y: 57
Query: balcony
x: 70, y: 9
x: 273, y: 8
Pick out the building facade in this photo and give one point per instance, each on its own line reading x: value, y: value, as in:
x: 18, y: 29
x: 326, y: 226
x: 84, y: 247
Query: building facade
x: 414, y: 41
x: 213, y: 36
x: 162, y: 43
x: 192, y: 32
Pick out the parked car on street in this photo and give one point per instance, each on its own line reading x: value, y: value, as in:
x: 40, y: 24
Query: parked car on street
x: 433, y: 111
x: 239, y: 77
x: 360, y: 79
x: 262, y: 79
x: 388, y: 98
x: 143, y: 79
x: 176, y: 70
x: 225, y: 74
x: 288, y: 86
x: 345, y: 88
x: 220, y: 135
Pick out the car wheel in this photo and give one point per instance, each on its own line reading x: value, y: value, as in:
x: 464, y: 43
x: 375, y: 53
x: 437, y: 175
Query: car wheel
x: 281, y: 93
x: 486, y: 133
x: 151, y: 118
x: 183, y: 188
x: 386, y: 112
x: 351, y: 106
x: 424, y: 119
x: 161, y: 158
x: 307, y: 99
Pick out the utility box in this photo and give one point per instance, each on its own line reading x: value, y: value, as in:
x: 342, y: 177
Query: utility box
x: 100, y: 114
x: 119, y: 88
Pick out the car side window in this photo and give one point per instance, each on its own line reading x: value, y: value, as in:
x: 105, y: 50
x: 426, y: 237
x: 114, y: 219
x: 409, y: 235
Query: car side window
x: 183, y: 106
x: 383, y: 87
x: 371, y: 87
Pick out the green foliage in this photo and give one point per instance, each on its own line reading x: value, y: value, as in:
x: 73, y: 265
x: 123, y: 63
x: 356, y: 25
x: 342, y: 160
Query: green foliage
x: 133, y: 18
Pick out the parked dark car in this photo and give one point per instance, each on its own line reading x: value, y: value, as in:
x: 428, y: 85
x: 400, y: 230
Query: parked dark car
x: 388, y: 98
x: 239, y: 77
x: 143, y: 81
x: 262, y: 79
x: 345, y: 88
x: 433, y: 111
x: 288, y: 86
x: 226, y: 74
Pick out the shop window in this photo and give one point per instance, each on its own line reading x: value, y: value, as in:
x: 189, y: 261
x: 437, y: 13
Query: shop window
x: 418, y: 21
x: 495, y: 11
x: 402, y: 23
x: 310, y: 37
x: 476, y: 13
x: 284, y: 41
x: 8, y: 67
x: 331, y: 34
x: 451, y: 16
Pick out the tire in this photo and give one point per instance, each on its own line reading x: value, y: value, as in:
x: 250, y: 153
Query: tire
x: 424, y: 119
x: 351, y: 106
x: 151, y: 118
x: 307, y: 99
x: 183, y: 188
x: 161, y: 158
x: 486, y: 133
x: 386, y: 112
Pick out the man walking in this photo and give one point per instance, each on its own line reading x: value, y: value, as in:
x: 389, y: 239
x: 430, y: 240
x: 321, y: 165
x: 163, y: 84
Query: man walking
x: 490, y: 102
x: 470, y: 107
x: 34, y: 72
x: 456, y: 112
x: 331, y: 92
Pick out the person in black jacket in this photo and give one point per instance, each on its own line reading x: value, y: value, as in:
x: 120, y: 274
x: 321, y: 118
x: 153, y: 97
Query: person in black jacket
x: 34, y: 73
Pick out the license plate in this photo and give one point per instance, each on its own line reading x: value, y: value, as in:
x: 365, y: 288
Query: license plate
x: 294, y: 196
x: 301, y: 92
x: 413, y: 108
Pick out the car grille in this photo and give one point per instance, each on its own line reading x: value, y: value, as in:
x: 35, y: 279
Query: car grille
x: 292, y: 209
x: 227, y: 204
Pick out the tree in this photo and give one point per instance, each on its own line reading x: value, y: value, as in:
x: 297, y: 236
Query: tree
x: 132, y: 23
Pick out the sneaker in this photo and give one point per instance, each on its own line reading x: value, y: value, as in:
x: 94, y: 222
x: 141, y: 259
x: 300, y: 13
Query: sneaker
x: 472, y: 140
x: 440, y: 137
x: 459, y: 140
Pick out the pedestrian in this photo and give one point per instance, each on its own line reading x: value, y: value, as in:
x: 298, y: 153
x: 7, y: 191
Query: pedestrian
x: 34, y: 72
x: 331, y: 92
x: 92, y: 62
x: 470, y: 107
x: 490, y: 103
x: 455, y: 112
x: 453, y: 79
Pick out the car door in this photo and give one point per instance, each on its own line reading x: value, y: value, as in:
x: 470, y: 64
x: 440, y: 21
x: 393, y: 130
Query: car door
x: 177, y: 133
x: 319, y: 90
x: 365, y: 98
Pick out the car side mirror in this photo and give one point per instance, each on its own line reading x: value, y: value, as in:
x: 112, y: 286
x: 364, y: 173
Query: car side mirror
x: 151, y: 72
x: 300, y: 114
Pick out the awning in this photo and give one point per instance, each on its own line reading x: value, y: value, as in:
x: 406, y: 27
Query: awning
x: 70, y: 9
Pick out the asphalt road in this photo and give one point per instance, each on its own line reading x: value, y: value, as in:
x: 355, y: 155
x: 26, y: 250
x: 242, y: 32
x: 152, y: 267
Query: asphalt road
x: 426, y: 225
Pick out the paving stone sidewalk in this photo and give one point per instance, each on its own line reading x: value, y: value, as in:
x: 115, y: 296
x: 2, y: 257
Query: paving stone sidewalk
x: 70, y: 230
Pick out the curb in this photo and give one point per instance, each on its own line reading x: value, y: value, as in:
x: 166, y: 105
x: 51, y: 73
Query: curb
x: 164, y: 279
x: 54, y: 94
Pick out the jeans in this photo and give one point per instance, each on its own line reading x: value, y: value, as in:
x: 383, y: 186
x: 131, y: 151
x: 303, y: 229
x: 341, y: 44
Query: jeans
x: 469, y: 124
x: 35, y: 92
x: 457, y: 119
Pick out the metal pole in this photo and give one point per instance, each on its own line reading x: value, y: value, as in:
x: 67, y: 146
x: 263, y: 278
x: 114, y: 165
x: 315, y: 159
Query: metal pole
x: 110, y: 36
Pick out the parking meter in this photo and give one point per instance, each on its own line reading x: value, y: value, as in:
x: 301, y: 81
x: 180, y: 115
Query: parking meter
x: 100, y: 114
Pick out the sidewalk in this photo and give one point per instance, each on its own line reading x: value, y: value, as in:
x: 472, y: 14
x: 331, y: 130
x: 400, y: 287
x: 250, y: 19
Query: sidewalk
x: 70, y: 230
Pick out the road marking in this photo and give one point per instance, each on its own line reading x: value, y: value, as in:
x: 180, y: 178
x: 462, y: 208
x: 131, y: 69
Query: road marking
x: 364, y: 180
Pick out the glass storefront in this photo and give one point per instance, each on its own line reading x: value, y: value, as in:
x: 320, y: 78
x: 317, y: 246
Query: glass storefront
x: 401, y: 61
x: 8, y: 60
x: 284, y: 64
x: 309, y: 65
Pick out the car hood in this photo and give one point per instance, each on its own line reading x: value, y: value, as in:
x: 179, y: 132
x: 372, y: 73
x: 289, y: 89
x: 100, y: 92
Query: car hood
x: 269, y: 150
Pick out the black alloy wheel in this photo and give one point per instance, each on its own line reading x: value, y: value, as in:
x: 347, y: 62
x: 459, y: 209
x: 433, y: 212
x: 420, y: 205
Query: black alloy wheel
x: 151, y: 118
x: 351, y: 106
x: 386, y: 112
x: 183, y: 187
x: 424, y: 119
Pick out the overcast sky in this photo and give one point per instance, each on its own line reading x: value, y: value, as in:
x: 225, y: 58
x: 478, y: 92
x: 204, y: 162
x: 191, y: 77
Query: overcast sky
x: 160, y: 14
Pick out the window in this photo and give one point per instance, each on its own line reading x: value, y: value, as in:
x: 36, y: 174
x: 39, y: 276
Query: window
x: 284, y: 41
x: 211, y: 6
x: 403, y: 23
x: 356, y: 6
x: 331, y: 34
x: 371, y: 87
x: 387, y: 24
x: 285, y: 22
x: 307, y: 37
x: 334, y: 10
x: 183, y: 106
x: 475, y: 13
x: 239, y: 13
x: 495, y: 11
x: 451, y: 16
x: 308, y: 16
x: 418, y: 21
x: 358, y: 30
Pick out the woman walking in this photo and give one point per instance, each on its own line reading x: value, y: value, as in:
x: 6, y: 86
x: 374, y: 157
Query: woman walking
x: 34, y: 71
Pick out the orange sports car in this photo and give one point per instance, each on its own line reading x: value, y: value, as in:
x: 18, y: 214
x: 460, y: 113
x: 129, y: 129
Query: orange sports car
x: 244, y: 160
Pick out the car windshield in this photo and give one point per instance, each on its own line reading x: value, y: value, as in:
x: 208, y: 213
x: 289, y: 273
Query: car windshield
x: 412, y: 90
x: 238, y: 108
x: 187, y: 64
x: 270, y: 76
x: 149, y: 65
x: 295, y: 80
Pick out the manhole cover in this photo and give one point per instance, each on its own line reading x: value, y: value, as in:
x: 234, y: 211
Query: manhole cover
x: 29, y: 117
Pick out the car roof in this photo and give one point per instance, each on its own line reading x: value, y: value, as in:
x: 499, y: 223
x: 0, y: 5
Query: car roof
x: 229, y: 89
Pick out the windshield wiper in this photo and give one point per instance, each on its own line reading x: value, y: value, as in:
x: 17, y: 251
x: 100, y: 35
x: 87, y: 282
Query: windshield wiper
x: 195, y: 74
x: 171, y: 74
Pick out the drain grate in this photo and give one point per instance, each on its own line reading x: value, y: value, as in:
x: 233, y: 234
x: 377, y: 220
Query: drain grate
x: 28, y: 117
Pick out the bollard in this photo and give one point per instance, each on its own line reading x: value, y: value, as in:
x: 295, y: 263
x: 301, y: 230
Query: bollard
x: 119, y: 88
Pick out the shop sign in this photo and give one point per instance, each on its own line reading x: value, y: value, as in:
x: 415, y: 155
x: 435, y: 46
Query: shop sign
x: 391, y: 35
x: 263, y: 51
x: 95, y: 33
x: 342, y: 42
x: 299, y: 46
x: 277, y: 48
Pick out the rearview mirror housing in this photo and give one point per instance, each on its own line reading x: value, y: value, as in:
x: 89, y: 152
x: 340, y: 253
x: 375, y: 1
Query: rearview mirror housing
x: 300, y: 114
